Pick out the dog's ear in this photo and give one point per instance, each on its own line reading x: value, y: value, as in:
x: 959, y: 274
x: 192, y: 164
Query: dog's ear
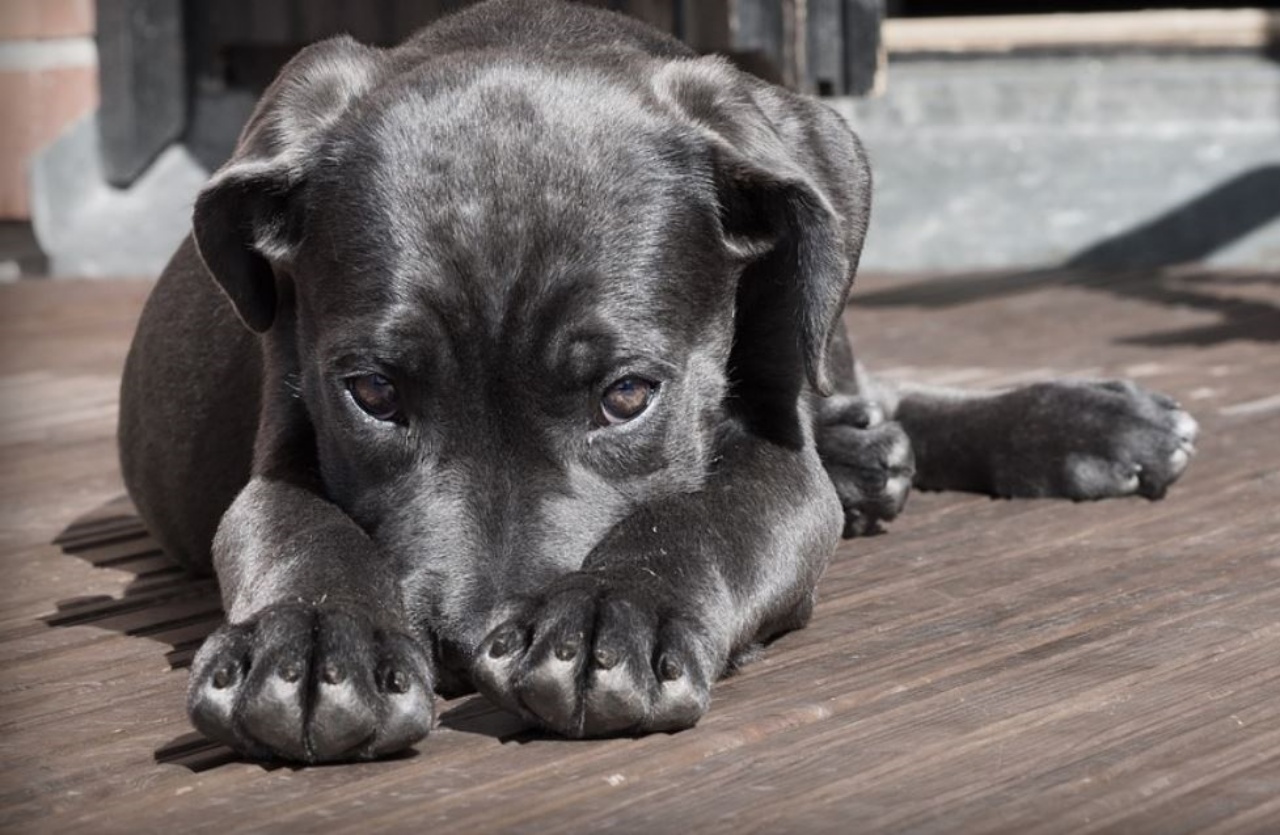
x: 794, y: 193
x: 246, y: 221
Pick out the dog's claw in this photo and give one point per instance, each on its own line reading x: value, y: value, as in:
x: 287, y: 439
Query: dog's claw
x: 568, y: 649
x: 504, y: 643
x: 397, y: 682
x: 606, y: 659
x: 222, y: 678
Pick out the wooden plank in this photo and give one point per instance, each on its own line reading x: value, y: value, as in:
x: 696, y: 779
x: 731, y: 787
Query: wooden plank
x: 845, y: 54
x: 263, y: 21
x: 408, y: 16
x: 708, y: 25
x: 758, y: 35
x: 659, y: 13
x: 759, y: 31
x: 824, y: 48
x: 864, y: 52
x: 1015, y: 666
x: 1152, y: 29
x: 318, y: 19
x: 142, y: 72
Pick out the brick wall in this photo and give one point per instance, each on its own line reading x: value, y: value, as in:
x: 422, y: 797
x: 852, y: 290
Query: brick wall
x: 48, y: 79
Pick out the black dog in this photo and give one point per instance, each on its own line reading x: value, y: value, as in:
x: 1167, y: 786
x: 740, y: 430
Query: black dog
x: 544, y: 388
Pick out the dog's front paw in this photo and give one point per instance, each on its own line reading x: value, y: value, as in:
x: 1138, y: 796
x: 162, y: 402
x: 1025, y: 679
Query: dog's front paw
x: 592, y: 657
x: 1095, y: 440
x: 868, y: 460
x: 311, y: 684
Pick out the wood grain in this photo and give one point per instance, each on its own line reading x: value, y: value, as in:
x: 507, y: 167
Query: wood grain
x: 985, y: 666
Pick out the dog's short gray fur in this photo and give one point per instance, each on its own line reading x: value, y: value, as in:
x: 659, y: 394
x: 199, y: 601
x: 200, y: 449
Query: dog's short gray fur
x: 520, y: 205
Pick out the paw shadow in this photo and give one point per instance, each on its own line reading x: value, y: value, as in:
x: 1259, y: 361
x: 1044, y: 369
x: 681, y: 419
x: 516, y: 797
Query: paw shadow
x: 162, y: 602
x: 477, y: 715
x: 165, y: 603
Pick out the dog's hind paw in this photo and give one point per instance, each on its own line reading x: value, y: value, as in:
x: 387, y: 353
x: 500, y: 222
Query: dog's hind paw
x: 1092, y: 440
x: 593, y: 658
x: 311, y: 684
x: 868, y: 460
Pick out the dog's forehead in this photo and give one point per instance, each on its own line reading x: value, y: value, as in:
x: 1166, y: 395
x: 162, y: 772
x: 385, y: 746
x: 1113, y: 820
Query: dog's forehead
x: 514, y: 165
x: 510, y: 184
x: 501, y: 123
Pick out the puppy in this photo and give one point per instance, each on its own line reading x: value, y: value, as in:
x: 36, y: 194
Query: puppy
x: 512, y: 359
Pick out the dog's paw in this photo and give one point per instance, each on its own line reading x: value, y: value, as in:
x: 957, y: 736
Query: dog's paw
x: 311, y: 684
x: 869, y: 461
x: 1095, y: 440
x: 594, y: 658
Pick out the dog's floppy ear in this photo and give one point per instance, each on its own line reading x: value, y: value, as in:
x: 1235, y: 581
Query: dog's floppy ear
x: 246, y: 222
x: 794, y: 192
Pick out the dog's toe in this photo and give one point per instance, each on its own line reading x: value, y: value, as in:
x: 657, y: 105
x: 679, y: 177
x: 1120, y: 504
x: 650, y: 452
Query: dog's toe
x: 311, y: 685
x: 218, y: 680
x: 404, y: 683
x: 871, y: 468
x: 1108, y: 439
x: 588, y: 660
x: 272, y: 714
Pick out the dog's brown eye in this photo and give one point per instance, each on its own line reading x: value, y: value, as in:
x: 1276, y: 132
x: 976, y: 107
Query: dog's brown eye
x: 626, y: 399
x: 376, y: 395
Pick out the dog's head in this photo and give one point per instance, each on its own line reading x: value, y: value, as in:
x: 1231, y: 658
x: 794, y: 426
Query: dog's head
x: 519, y: 300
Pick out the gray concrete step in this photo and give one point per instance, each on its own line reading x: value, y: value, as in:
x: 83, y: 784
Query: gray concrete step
x: 1104, y: 161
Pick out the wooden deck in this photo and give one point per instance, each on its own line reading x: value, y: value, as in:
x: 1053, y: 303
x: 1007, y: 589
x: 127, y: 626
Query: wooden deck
x: 984, y: 667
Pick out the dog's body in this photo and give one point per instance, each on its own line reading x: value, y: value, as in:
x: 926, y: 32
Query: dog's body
x: 541, y: 312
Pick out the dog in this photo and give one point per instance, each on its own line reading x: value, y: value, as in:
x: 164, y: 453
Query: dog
x: 512, y: 359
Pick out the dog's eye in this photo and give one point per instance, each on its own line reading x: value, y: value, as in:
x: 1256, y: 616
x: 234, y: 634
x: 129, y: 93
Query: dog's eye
x: 626, y: 399
x: 376, y: 395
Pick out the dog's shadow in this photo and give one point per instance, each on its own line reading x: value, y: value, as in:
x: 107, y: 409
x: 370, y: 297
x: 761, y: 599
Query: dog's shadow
x: 165, y: 603
x: 161, y: 602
